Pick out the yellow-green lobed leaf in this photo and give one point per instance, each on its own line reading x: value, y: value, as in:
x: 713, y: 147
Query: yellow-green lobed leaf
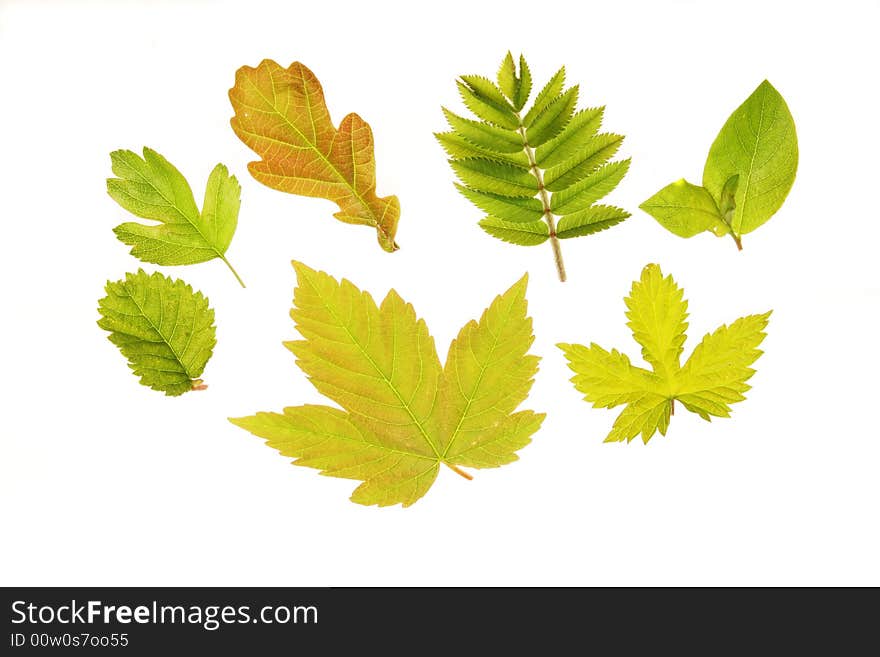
x: 401, y: 414
x: 152, y: 188
x: 713, y: 378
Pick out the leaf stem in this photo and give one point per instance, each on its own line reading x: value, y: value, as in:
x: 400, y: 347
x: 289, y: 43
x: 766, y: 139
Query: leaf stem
x: 738, y: 240
x: 232, y: 269
x: 459, y: 471
x: 545, y: 198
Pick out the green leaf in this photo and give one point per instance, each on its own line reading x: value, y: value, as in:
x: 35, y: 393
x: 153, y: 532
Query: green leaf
x: 402, y: 415
x: 552, y: 120
x: 487, y: 109
x: 484, y: 135
x: 495, y: 177
x: 505, y: 207
x: 716, y: 373
x: 517, y: 89
x: 684, y: 209
x: 504, y: 170
x: 507, y: 80
x: 587, y: 191
x: 713, y: 378
x: 524, y: 87
x: 596, y: 152
x: 164, y: 329
x: 546, y: 96
x: 590, y: 220
x: 759, y: 144
x: 521, y: 233
x: 460, y: 148
x: 152, y: 188
x: 582, y: 126
x: 657, y: 314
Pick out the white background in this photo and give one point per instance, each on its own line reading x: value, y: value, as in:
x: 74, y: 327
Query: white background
x: 104, y: 482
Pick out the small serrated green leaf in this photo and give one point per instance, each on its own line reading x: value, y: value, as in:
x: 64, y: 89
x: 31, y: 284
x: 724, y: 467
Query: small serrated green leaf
x: 505, y: 207
x: 521, y: 233
x: 507, y: 80
x: 553, y: 119
x: 583, y: 125
x: 495, y: 113
x: 495, y: 177
x: 590, y: 220
x: 594, y: 154
x: 484, y: 135
x: 459, y: 148
x: 550, y: 91
x: 164, y: 329
x: 587, y: 191
x: 524, y: 85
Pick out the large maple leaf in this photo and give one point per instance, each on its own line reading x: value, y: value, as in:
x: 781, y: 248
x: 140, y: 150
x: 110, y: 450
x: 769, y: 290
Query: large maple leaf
x: 402, y: 415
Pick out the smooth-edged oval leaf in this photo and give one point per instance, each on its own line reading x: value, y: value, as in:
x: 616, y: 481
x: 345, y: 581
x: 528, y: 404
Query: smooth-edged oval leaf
x: 495, y: 177
x: 550, y: 91
x: 152, y: 188
x: 576, y: 135
x: 509, y: 208
x: 501, y: 115
x: 484, y: 135
x: 595, y: 153
x: 684, y: 209
x: 759, y: 143
x: 402, y: 415
x: 521, y: 233
x: 281, y: 115
x: 553, y: 119
x: 459, y: 148
x: 163, y: 328
x: 585, y: 192
x: 589, y: 221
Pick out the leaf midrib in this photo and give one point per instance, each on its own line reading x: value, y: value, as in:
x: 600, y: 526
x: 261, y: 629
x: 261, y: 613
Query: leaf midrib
x: 745, y: 197
x: 186, y: 369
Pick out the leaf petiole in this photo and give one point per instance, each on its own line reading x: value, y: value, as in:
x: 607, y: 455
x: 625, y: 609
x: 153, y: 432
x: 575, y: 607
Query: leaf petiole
x: 232, y: 269
x: 459, y: 471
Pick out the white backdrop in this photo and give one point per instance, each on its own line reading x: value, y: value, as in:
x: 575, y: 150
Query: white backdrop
x: 104, y: 482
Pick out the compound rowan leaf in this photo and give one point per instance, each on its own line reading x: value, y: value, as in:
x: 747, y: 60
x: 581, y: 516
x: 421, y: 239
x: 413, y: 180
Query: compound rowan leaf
x: 152, y: 188
x: 401, y: 414
x: 164, y: 329
x: 548, y: 167
x: 281, y: 115
x: 713, y: 378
